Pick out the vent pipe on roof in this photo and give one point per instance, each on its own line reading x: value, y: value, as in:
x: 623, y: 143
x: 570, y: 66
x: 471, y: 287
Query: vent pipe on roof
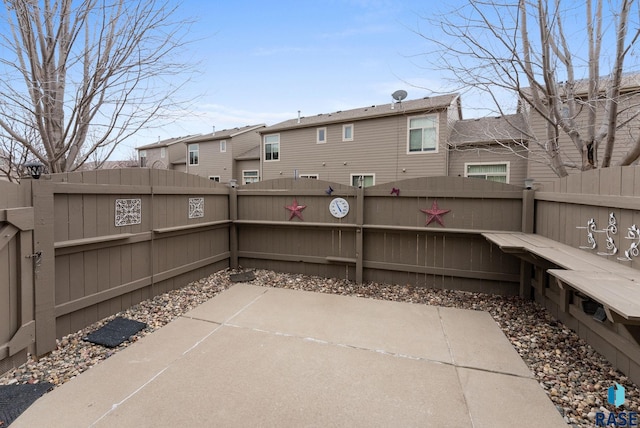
x: 298, y: 116
x: 213, y: 131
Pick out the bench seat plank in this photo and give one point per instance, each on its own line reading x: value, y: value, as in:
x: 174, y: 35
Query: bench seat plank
x: 570, y: 258
x: 617, y: 293
x: 506, y: 241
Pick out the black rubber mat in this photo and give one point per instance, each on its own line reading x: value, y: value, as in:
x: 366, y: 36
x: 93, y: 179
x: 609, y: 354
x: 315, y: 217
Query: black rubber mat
x: 115, y: 332
x: 243, y: 276
x: 15, y: 399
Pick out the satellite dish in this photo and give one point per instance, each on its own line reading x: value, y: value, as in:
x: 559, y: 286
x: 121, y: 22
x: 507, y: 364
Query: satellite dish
x: 399, y: 95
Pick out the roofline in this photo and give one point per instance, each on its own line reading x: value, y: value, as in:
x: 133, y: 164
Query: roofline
x: 158, y: 145
x: 213, y: 137
x: 385, y: 111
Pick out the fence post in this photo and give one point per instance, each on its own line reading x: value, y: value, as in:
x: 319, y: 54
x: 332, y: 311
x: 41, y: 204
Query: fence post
x: 44, y: 278
x: 359, y: 233
x: 528, y: 210
x: 233, y: 232
x: 528, y: 224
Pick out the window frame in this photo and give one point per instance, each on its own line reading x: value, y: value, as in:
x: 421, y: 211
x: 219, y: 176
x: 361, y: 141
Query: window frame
x: 142, y: 157
x: 368, y: 174
x: 244, y: 176
x: 437, y: 132
x: 507, y: 174
x: 197, y: 154
x: 163, y: 152
x: 264, y: 151
x: 344, y: 128
x: 318, y: 131
x: 223, y: 146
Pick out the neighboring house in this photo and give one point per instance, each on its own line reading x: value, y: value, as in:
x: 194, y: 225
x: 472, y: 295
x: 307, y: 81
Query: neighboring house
x: 166, y: 154
x: 628, y: 107
x: 230, y: 154
x: 493, y: 148
x: 367, y: 146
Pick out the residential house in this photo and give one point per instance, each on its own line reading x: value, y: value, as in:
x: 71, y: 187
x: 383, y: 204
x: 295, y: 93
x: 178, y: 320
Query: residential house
x: 493, y: 148
x: 223, y: 156
x: 367, y: 146
x: 166, y: 154
x: 627, y: 133
x: 230, y: 154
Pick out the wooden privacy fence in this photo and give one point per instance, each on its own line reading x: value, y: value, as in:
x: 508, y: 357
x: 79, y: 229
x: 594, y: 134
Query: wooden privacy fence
x: 384, y: 237
x: 598, y: 212
x: 82, y: 246
x: 110, y: 239
x: 17, y: 323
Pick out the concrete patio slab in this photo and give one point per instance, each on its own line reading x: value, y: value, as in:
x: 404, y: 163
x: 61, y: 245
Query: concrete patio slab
x: 86, y: 398
x: 476, y: 342
x: 397, y: 328
x: 257, y: 379
x: 256, y: 356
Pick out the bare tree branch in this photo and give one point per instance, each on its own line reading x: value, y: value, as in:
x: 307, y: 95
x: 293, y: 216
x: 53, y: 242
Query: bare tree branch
x: 526, y: 48
x: 85, y: 75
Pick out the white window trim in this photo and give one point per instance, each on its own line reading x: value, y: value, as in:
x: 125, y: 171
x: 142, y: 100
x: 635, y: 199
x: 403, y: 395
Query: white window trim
x: 315, y: 176
x: 353, y: 131
x: 318, y: 140
x: 264, y: 148
x: 223, y: 146
x: 409, y: 152
x: 215, y: 178
x: 508, y: 163
x: 189, y: 151
x: 244, y: 171
x: 363, y: 174
x: 163, y: 152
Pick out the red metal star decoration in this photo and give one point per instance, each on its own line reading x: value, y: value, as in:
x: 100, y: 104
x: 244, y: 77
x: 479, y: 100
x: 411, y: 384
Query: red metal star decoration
x: 295, y: 209
x: 435, y: 213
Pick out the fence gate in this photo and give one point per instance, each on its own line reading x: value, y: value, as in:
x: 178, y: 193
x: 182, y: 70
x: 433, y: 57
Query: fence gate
x: 17, y: 261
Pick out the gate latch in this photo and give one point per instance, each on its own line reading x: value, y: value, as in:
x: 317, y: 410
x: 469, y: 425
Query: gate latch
x: 36, y: 257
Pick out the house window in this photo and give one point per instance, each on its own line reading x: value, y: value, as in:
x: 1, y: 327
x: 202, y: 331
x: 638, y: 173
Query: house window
x: 423, y: 134
x: 194, y: 154
x: 347, y: 132
x: 163, y: 152
x: 223, y: 146
x: 488, y: 171
x: 250, y: 176
x: 321, y: 135
x: 363, y: 180
x: 143, y: 158
x: 272, y: 147
x: 314, y: 176
x: 215, y: 178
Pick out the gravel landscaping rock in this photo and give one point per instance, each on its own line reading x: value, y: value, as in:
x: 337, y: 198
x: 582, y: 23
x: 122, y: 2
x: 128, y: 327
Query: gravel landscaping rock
x: 574, y: 375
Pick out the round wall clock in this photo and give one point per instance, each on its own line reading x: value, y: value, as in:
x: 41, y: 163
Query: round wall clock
x: 339, y: 207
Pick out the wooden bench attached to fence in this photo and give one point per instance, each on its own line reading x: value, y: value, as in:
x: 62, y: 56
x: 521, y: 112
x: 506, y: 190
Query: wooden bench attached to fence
x: 616, y: 287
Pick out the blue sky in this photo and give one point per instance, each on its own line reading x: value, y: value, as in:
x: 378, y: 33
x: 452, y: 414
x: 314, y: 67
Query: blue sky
x: 262, y: 61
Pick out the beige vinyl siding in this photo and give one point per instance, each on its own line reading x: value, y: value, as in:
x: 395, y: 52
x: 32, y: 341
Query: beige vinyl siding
x: 543, y: 173
x: 176, y: 151
x: 213, y: 162
x: 246, y: 165
x: 244, y: 142
x: 154, y: 160
x: 517, y: 164
x: 379, y: 147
